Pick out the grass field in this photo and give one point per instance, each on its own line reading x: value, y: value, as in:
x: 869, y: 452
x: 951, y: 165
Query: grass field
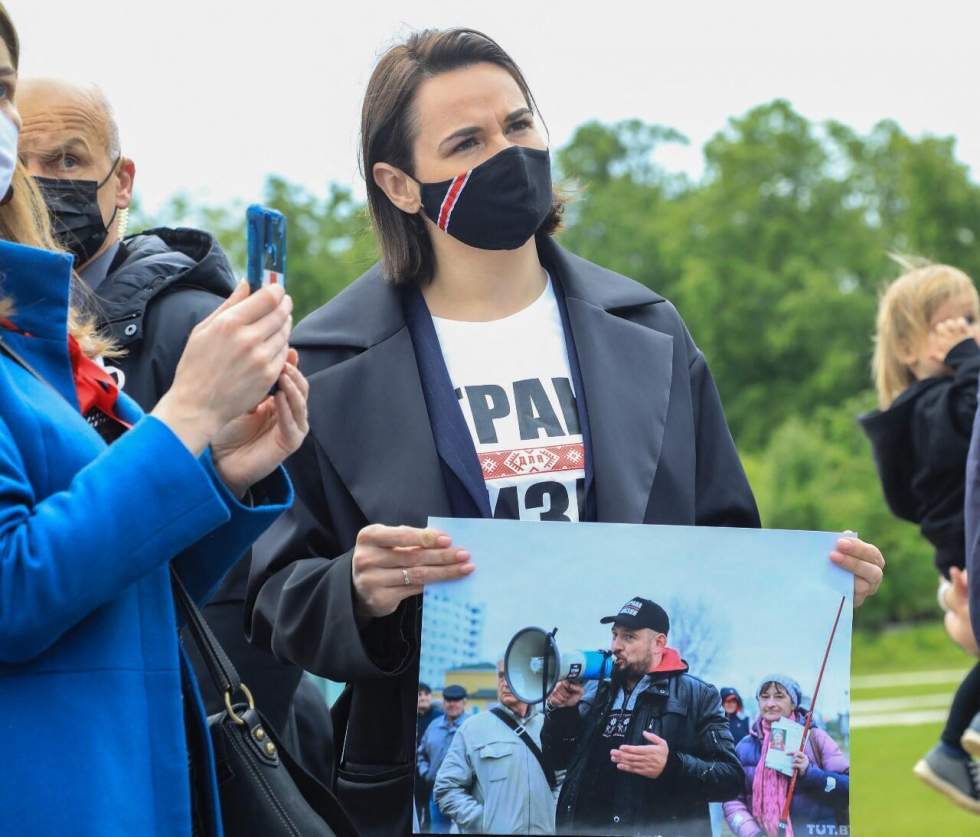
x: 886, y: 799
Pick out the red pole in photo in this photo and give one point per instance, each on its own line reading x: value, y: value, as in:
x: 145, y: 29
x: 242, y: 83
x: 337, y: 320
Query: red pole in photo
x: 784, y: 819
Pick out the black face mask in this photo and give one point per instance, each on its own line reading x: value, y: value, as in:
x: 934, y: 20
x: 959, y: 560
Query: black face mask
x: 499, y: 204
x: 76, y: 218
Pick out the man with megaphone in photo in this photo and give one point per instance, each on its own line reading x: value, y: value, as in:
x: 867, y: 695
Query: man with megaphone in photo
x: 645, y: 750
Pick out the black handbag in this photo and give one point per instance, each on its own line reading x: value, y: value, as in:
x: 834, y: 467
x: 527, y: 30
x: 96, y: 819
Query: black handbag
x: 263, y: 790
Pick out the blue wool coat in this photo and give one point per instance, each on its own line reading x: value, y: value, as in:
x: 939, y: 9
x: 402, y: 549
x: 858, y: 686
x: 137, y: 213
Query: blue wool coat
x: 91, y: 710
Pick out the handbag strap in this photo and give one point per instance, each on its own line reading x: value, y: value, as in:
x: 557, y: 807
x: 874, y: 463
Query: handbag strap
x: 223, y: 674
x: 8, y: 350
x: 522, y: 733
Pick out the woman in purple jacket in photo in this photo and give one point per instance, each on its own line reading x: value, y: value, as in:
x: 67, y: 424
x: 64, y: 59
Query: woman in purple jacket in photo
x: 822, y: 785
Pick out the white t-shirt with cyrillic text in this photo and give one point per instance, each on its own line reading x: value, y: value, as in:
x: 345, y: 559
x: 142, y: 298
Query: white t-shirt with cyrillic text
x: 514, y: 385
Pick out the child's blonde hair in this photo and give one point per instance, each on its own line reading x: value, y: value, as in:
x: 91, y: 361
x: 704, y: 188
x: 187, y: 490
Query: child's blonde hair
x: 905, y: 310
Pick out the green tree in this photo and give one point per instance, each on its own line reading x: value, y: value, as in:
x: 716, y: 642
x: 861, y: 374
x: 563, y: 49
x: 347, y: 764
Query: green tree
x: 817, y: 473
x: 329, y: 241
x: 775, y: 256
x: 624, y: 207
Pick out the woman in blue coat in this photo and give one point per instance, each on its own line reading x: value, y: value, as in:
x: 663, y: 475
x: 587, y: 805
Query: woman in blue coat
x: 97, y: 704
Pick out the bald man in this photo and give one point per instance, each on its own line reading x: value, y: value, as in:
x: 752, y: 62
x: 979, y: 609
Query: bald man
x: 153, y: 288
x: 71, y: 142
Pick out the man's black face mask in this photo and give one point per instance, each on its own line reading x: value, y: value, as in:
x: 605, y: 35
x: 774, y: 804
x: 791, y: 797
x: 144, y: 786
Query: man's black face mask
x: 76, y: 218
x: 499, y: 204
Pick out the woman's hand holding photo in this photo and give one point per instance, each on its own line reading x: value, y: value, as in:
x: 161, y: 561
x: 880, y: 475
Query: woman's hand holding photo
x: 864, y: 561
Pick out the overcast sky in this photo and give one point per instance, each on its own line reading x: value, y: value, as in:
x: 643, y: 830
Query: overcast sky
x: 213, y: 95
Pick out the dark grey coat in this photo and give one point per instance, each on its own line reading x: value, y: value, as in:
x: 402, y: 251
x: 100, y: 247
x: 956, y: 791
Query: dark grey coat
x: 662, y: 453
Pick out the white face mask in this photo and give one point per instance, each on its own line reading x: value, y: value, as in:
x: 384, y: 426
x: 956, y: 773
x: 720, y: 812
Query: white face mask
x: 8, y: 152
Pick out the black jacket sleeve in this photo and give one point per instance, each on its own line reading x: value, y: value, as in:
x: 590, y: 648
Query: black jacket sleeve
x: 722, y: 493
x: 964, y: 360
x: 300, y: 599
x: 714, y: 773
x: 150, y: 365
x: 944, y: 414
x: 559, y: 736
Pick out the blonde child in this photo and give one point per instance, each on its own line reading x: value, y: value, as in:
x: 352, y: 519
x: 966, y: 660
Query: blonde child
x: 926, y: 362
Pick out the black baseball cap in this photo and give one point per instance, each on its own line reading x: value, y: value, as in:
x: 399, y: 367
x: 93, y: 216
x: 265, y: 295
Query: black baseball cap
x: 641, y: 613
x: 453, y: 692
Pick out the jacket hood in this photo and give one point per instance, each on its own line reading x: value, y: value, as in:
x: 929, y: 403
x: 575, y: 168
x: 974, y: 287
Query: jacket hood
x: 670, y: 663
x: 890, y: 432
x: 154, y: 262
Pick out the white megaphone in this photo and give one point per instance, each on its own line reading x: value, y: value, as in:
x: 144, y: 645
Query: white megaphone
x: 533, y: 665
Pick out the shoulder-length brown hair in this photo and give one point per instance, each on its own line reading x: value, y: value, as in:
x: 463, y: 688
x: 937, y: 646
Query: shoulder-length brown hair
x: 388, y: 131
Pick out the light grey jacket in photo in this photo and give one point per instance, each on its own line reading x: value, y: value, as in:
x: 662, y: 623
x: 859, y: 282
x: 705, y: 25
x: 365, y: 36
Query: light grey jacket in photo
x: 490, y: 783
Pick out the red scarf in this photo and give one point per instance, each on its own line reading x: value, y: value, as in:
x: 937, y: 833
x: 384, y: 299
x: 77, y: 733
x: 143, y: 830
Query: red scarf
x: 96, y: 388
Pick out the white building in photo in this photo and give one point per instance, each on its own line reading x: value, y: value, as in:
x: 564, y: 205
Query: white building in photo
x: 452, y: 633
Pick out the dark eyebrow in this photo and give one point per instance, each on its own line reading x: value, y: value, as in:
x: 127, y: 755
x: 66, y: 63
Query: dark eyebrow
x: 462, y: 132
x: 69, y: 145
x: 519, y: 113
x: 7, y: 70
x: 473, y: 129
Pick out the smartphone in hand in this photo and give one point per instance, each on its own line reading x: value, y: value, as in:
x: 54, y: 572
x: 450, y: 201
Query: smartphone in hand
x: 266, y: 233
x: 266, y: 238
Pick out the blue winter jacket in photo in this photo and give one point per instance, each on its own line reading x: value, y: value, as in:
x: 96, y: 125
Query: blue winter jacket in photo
x: 91, y: 705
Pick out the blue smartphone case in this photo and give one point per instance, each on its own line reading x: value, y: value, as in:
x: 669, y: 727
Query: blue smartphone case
x: 266, y: 234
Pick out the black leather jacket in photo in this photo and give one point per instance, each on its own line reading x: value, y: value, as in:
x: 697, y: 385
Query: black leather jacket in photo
x: 702, y: 766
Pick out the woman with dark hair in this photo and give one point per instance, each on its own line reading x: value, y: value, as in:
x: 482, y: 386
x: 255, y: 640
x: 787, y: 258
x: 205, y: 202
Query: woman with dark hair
x: 479, y: 370
x: 823, y: 772
x: 102, y: 721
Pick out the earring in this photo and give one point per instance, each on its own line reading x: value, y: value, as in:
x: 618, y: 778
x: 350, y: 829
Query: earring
x: 122, y: 222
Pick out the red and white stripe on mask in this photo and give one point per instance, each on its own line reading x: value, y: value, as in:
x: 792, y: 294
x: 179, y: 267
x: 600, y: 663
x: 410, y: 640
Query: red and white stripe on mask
x: 452, y: 198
